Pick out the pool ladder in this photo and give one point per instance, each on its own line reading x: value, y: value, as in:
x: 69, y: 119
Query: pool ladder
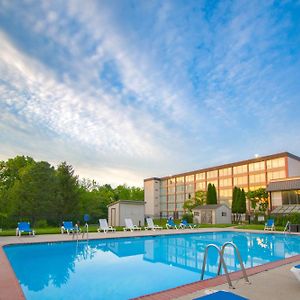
x: 222, y: 262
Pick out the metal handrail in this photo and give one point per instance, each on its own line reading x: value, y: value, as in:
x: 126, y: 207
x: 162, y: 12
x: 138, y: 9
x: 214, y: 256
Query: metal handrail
x: 220, y: 262
x: 239, y: 258
x: 287, y: 227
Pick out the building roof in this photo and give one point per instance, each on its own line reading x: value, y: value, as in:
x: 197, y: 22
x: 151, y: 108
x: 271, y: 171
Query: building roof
x: 257, y: 159
x: 139, y: 202
x: 284, y: 185
x: 210, y: 206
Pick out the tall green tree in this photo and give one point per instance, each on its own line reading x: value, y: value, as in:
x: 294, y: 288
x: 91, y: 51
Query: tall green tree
x: 67, y: 205
x: 258, y: 197
x: 197, y: 200
x: 211, y: 196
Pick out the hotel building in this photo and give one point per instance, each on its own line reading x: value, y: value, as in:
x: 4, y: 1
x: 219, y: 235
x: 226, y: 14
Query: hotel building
x: 165, y: 196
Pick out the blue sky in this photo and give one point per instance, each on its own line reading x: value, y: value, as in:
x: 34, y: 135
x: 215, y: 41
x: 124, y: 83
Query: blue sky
x: 124, y: 90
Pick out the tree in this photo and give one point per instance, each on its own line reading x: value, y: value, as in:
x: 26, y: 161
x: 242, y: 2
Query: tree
x: 211, y: 196
x: 67, y: 205
x: 197, y: 200
x: 258, y: 197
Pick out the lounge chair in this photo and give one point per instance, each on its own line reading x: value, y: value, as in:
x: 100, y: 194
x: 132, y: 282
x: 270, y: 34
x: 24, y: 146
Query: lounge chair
x: 270, y: 225
x: 68, y: 227
x: 103, y: 226
x: 296, y: 271
x: 129, y: 226
x: 224, y: 295
x: 151, y: 225
x: 170, y: 224
x: 24, y: 227
x: 184, y: 224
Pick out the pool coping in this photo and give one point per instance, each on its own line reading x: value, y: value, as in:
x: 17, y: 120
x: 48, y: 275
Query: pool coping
x: 11, y: 289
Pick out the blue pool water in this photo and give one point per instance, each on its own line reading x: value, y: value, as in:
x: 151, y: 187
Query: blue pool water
x: 123, y: 268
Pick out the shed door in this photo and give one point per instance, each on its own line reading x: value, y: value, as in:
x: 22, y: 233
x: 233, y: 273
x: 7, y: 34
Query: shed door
x: 113, y: 216
x: 206, y: 217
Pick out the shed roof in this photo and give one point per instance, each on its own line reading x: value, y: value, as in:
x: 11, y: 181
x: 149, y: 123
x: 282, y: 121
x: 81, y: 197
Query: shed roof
x: 210, y: 206
x: 284, y: 185
x: 130, y: 202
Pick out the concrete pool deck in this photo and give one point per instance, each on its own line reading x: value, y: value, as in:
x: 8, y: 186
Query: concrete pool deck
x: 263, y: 283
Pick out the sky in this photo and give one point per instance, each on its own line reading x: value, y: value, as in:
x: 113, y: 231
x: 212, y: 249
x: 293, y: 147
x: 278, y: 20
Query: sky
x: 125, y: 90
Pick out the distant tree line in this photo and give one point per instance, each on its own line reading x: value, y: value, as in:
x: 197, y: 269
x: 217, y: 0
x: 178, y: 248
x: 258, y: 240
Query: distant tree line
x: 45, y: 195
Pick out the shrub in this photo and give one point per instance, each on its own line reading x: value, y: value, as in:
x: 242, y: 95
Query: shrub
x: 41, y: 224
x: 281, y: 220
x: 188, y: 217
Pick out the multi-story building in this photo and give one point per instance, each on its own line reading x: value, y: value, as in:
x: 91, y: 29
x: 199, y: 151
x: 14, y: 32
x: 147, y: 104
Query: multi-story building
x: 165, y: 196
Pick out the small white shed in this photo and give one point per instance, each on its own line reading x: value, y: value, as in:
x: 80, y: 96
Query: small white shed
x: 122, y: 209
x: 212, y: 214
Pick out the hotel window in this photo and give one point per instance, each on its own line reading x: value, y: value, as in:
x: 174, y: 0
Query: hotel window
x: 171, y: 206
x: 180, y: 179
x: 276, y: 175
x: 163, y: 199
x: 212, y: 174
x: 179, y: 188
x: 257, y: 166
x: 189, y: 178
x: 171, y: 198
x: 225, y: 172
x: 225, y: 182
x: 171, y: 181
x: 171, y: 189
x: 163, y: 191
x: 164, y: 183
x: 200, y: 176
x: 200, y: 186
x: 257, y: 178
x: 240, y: 169
x: 180, y: 198
x: 226, y: 193
x: 163, y: 206
x: 276, y: 163
x: 215, y: 182
x: 179, y: 205
x: 190, y: 187
x: 240, y: 180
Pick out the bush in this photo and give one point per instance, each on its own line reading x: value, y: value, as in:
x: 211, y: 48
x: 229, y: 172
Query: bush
x: 41, y: 224
x: 281, y: 220
x: 188, y: 217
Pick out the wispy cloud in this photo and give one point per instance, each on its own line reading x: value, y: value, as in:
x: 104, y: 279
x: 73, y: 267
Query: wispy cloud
x: 132, y: 87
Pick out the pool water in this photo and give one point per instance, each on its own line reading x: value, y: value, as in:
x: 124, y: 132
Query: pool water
x: 124, y: 268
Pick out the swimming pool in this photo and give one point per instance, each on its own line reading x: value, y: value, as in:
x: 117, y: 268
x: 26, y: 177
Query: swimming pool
x: 124, y: 268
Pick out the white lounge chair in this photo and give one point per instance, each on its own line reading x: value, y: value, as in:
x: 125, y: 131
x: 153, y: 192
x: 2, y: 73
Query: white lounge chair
x: 151, y: 225
x: 129, y: 226
x: 296, y: 271
x: 103, y: 226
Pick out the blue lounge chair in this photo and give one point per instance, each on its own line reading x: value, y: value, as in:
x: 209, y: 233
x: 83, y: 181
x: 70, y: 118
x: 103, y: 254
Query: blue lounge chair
x: 222, y: 295
x: 68, y: 227
x: 270, y: 225
x: 296, y: 271
x: 24, y: 227
x: 170, y: 224
x: 184, y: 224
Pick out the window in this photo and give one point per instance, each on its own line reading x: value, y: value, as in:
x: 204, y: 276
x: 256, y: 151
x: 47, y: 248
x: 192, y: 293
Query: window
x: 171, y: 181
x: 225, y: 182
x: 200, y: 176
x: 276, y: 175
x: 180, y: 198
x: 189, y: 187
x: 225, y: 172
x: 240, y: 169
x: 257, y: 166
x: 196, y: 213
x: 242, y: 180
x: 224, y: 214
x: 163, y: 199
x: 189, y: 178
x: 180, y: 179
x: 171, y: 198
x: 164, y: 183
x: 179, y: 188
x: 200, y: 186
x: 276, y: 163
x: 212, y: 174
x: 171, y: 206
x: 163, y: 191
x: 171, y: 190
x: 291, y: 197
x: 226, y: 193
x: 257, y: 178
